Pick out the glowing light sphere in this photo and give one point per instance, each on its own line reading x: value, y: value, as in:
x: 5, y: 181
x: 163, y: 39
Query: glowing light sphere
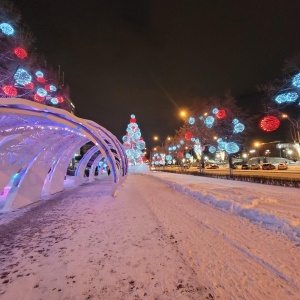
x: 22, y: 77
x: 52, y: 88
x: 191, y: 120
x: 9, y: 90
x: 132, y: 120
x: 180, y: 155
x: 60, y: 99
x: 54, y: 101
x: 209, y: 121
x: 178, y: 146
x: 193, y: 139
x: 169, y: 157
x: 20, y: 52
x: 29, y: 85
x: 181, y: 142
x: 232, y: 147
x: 235, y: 121
x: 296, y: 80
x: 39, y: 74
x: 201, y: 118
x: 221, y: 114
x: 174, y: 147
x: 215, y: 111
x: 286, y: 97
x: 239, y: 127
x: 269, y: 123
x: 188, y: 135
x: 38, y: 98
x: 197, y: 141
x: 41, y: 92
x: 222, y: 145
x: 6, y: 29
x: 187, y: 155
x: 40, y: 79
x: 212, y: 149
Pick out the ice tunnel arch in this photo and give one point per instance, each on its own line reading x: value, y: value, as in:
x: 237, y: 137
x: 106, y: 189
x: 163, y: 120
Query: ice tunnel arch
x: 37, y: 143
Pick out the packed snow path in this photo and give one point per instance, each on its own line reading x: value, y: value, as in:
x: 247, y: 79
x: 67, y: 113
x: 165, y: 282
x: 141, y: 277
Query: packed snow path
x: 150, y: 242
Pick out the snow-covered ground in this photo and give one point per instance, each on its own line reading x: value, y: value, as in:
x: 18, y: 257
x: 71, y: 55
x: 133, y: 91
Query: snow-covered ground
x: 165, y: 236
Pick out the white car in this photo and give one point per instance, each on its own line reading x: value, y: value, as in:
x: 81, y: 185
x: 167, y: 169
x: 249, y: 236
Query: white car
x: 282, y: 166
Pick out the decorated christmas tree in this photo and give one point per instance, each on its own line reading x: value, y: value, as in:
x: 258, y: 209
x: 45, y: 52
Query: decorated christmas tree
x: 134, y: 143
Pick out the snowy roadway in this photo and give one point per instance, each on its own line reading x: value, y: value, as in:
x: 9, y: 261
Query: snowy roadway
x: 165, y: 236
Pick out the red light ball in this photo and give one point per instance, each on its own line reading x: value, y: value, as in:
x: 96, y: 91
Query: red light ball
x: 188, y: 135
x: 20, y: 52
x: 221, y: 114
x: 29, y: 86
x: 269, y: 123
x: 9, y: 90
x: 38, y: 98
x: 180, y: 155
x: 40, y: 79
x: 60, y: 99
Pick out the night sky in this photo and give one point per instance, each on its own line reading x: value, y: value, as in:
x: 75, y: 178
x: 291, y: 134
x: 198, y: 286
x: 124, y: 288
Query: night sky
x: 154, y: 57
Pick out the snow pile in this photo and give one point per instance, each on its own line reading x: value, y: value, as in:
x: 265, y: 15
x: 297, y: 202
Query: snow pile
x: 274, y: 207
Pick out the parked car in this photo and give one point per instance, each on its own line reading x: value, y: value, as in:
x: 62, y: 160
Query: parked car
x: 234, y: 166
x: 268, y: 166
x: 213, y: 167
x: 282, y: 166
x: 255, y: 167
x: 245, y: 167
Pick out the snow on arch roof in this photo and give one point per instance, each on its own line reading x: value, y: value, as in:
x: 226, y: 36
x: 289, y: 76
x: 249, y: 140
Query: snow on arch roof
x: 37, y: 143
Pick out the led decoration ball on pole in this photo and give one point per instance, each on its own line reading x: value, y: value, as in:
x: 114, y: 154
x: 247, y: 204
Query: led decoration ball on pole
x: 269, y: 123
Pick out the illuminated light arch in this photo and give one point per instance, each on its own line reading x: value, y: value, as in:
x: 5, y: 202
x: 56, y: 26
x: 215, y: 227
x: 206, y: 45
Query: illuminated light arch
x: 37, y: 143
